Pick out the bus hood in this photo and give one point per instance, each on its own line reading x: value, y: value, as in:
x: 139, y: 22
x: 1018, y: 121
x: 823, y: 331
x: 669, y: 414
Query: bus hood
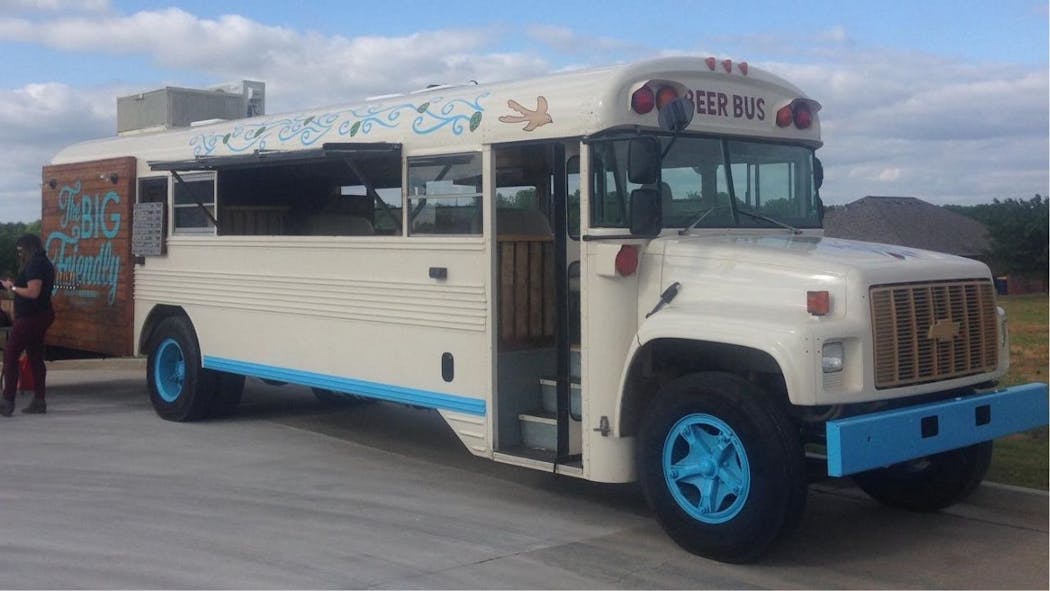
x: 769, y: 261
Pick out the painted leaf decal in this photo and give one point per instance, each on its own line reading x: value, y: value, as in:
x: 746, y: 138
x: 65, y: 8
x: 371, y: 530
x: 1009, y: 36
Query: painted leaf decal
x: 423, y: 108
x: 475, y: 121
x: 354, y: 128
x: 226, y: 139
x: 259, y: 132
x: 308, y: 120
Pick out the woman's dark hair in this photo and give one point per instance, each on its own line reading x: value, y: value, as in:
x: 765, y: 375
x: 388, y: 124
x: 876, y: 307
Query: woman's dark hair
x: 29, y: 245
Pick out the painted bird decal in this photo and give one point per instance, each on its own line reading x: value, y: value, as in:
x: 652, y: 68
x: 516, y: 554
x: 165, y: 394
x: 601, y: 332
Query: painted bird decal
x: 531, y: 118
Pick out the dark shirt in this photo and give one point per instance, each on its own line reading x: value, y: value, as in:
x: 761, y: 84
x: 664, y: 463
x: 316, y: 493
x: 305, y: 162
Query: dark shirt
x: 38, y: 267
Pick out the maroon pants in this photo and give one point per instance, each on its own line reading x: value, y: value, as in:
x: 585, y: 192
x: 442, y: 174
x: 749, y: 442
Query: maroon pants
x: 27, y: 335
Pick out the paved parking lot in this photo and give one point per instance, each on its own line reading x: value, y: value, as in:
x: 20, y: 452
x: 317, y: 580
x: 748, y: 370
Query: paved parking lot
x: 101, y: 493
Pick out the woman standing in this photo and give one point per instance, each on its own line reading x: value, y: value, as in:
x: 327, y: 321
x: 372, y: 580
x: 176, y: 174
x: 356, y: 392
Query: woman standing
x: 33, y: 316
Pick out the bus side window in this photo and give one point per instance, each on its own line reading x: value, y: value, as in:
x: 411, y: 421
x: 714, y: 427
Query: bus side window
x: 192, y: 196
x: 444, y: 194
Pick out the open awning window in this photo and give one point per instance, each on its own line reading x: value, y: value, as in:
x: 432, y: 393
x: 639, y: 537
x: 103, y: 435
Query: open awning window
x: 330, y: 151
x: 337, y: 189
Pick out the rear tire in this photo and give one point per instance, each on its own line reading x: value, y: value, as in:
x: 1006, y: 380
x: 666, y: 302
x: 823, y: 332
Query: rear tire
x: 228, y: 393
x: 721, y: 466
x: 931, y: 483
x: 179, y: 388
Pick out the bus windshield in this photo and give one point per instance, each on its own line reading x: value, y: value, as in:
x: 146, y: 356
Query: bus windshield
x: 713, y: 183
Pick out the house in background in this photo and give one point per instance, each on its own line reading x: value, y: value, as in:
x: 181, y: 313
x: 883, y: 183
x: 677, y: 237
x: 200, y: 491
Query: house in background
x: 907, y: 221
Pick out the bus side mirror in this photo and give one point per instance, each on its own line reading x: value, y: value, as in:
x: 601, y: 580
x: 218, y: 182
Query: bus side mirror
x: 818, y: 172
x: 646, y: 212
x: 643, y: 161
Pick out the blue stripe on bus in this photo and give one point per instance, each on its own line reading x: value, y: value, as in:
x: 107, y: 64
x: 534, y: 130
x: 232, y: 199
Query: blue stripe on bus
x: 389, y: 392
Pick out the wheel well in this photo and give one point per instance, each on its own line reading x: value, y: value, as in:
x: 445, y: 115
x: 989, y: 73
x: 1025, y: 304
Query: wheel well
x: 156, y: 315
x: 663, y: 360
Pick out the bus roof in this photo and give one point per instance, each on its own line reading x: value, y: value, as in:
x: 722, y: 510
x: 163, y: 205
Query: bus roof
x: 730, y: 99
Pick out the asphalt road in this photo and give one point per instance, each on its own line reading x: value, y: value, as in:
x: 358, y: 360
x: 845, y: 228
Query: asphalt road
x: 101, y: 493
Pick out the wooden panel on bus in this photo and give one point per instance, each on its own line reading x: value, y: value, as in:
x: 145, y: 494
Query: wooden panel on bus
x: 526, y: 290
x: 86, y: 228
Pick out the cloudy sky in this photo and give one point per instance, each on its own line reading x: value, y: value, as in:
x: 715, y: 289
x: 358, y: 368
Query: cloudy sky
x: 945, y: 100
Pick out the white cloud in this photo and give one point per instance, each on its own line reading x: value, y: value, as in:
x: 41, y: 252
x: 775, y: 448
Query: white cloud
x: 571, y: 41
x: 35, y: 122
x: 895, y: 123
x: 836, y: 34
x: 939, y: 129
x: 15, y: 6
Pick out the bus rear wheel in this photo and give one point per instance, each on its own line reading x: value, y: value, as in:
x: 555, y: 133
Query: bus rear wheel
x: 228, y: 392
x: 721, y: 467
x: 179, y: 388
x: 930, y: 483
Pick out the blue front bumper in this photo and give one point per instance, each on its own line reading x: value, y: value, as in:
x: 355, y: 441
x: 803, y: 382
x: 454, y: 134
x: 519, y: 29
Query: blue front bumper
x: 875, y: 440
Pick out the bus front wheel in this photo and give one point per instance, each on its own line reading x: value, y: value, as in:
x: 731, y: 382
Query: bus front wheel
x: 179, y: 388
x: 721, y: 466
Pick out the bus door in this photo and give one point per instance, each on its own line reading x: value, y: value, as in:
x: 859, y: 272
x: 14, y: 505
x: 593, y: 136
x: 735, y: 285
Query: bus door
x: 538, y: 396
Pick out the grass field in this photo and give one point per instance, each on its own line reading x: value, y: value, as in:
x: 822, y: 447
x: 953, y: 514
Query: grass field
x: 1023, y: 459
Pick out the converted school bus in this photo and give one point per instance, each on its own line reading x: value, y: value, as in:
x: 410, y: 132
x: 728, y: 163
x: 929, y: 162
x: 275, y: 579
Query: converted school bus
x: 614, y: 274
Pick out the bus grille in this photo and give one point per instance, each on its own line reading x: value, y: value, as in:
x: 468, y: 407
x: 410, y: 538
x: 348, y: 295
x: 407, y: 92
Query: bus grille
x: 933, y: 331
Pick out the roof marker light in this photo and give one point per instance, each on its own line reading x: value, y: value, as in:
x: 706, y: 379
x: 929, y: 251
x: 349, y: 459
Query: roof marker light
x: 727, y: 65
x: 711, y: 63
x: 743, y: 68
x: 785, y: 116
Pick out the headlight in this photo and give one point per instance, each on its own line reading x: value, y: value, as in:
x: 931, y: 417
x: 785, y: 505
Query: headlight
x: 833, y: 358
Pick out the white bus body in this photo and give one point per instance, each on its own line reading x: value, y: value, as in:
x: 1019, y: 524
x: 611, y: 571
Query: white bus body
x: 484, y: 250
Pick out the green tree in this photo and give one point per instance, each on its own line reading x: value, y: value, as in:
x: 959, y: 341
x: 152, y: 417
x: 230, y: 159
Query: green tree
x: 1019, y: 230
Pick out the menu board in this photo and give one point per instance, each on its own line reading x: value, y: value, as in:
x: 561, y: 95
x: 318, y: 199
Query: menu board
x: 147, y: 230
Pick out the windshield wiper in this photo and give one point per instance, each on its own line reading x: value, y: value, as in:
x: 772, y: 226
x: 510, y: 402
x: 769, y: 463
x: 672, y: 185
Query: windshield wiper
x: 700, y: 217
x: 759, y: 216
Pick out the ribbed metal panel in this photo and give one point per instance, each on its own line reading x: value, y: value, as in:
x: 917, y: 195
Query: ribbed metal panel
x: 933, y: 331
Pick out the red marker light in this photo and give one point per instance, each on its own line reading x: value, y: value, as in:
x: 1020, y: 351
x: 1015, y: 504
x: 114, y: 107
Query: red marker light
x: 643, y: 101
x: 785, y: 116
x: 665, y: 95
x: 743, y: 68
x: 803, y: 116
x: 818, y: 303
x: 711, y: 63
x: 727, y: 65
x: 627, y: 260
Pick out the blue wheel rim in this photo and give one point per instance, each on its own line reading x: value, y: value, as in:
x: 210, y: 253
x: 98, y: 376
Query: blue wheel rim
x: 169, y: 370
x: 706, y: 469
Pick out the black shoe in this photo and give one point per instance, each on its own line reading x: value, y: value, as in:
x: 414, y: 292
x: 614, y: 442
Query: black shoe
x: 36, y: 407
x: 7, y: 407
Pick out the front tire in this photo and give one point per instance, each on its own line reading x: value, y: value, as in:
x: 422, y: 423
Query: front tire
x: 721, y: 466
x: 179, y: 388
x: 930, y: 483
